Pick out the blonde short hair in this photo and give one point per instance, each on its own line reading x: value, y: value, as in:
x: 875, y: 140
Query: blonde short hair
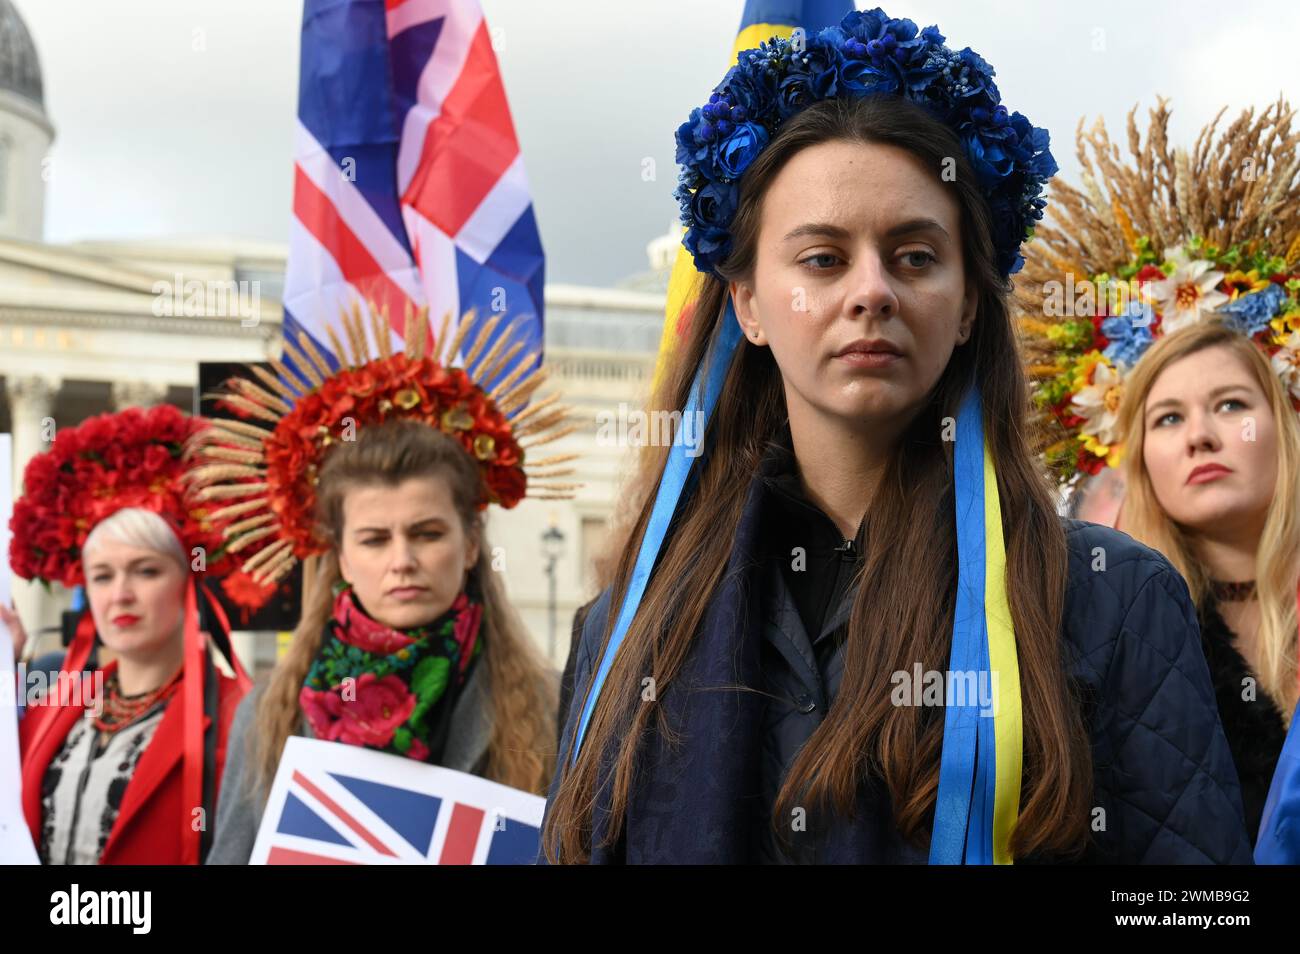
x: 137, y: 527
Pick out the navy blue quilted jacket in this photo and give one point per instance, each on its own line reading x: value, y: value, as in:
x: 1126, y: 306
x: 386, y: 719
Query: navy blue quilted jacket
x: 1164, y: 780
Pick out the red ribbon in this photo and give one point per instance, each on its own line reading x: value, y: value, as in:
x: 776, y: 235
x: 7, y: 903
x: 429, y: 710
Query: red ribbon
x: 82, y: 643
x: 241, y: 676
x: 192, y: 740
x: 192, y: 701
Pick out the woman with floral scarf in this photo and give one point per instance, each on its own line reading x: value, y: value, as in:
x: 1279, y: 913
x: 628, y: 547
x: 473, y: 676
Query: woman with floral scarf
x: 407, y: 643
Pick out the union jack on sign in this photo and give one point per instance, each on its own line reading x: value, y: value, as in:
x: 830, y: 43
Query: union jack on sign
x: 336, y: 804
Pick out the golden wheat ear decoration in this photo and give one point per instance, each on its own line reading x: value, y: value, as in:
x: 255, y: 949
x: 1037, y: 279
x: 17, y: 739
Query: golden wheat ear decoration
x: 1236, y: 188
x: 1235, y: 185
x: 230, y: 455
x: 484, y: 361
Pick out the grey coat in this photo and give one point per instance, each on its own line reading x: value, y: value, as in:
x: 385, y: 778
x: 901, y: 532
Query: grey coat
x: 239, y: 809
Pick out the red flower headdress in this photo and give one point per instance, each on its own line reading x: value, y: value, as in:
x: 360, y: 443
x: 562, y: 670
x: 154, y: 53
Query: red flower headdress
x: 271, y: 472
x: 133, y: 458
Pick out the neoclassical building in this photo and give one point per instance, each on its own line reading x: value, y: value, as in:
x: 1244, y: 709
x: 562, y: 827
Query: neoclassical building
x: 89, y: 327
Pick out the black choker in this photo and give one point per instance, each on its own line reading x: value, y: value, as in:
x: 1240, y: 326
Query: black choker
x: 1226, y: 592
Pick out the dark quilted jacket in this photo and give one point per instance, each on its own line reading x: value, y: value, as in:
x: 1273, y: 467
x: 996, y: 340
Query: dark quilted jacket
x: 1163, y: 775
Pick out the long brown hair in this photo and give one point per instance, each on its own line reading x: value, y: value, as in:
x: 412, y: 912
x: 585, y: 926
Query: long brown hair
x: 1277, y: 559
x: 524, y: 697
x: 903, y: 609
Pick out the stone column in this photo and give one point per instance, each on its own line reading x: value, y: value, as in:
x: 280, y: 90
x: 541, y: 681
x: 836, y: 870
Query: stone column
x: 31, y: 412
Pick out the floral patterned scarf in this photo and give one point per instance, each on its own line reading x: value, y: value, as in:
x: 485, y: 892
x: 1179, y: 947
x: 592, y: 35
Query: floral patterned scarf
x: 386, y: 689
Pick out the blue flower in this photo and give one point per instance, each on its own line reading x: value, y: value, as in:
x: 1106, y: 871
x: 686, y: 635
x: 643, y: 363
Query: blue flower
x: 1039, y: 161
x: 823, y: 61
x: 863, y: 73
x: 866, y: 24
x: 1250, y: 314
x: 968, y: 79
x: 992, y: 163
x: 899, y: 55
x: 740, y: 148
x: 690, y: 151
x: 1027, y: 144
x: 707, y: 212
x: 708, y: 246
x: 713, y: 205
x: 793, y: 95
x: 1129, y: 333
x: 746, y: 91
x: 1008, y: 228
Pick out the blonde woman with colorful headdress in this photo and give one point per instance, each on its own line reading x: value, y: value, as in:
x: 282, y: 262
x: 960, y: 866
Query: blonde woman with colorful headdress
x: 1175, y: 363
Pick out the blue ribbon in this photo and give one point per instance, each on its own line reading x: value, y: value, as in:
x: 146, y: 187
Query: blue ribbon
x: 1279, y: 827
x: 703, y: 398
x: 963, y: 811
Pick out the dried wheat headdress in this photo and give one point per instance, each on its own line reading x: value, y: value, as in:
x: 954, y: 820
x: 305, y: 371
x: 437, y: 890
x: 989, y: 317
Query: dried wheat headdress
x: 1151, y: 243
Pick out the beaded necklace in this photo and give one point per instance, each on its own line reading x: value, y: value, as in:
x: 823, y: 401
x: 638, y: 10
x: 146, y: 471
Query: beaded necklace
x: 120, y: 710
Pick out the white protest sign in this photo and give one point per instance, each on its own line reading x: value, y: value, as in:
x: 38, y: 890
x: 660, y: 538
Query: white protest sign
x: 15, y: 838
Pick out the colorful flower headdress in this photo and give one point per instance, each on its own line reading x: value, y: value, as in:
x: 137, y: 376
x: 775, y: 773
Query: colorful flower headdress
x: 867, y: 54
x: 269, y: 468
x: 1147, y: 248
x: 132, y: 458
x: 870, y: 54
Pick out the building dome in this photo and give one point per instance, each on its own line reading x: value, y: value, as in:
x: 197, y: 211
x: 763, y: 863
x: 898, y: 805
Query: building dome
x: 20, y: 67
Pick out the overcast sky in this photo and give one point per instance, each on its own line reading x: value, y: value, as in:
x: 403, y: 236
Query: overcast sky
x: 156, y: 138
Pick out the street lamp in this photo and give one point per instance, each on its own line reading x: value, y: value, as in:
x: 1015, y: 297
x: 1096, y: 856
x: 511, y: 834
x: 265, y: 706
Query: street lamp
x: 552, y: 551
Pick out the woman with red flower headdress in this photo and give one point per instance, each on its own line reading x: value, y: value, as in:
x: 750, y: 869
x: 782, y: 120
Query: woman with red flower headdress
x: 124, y: 768
x: 379, y: 472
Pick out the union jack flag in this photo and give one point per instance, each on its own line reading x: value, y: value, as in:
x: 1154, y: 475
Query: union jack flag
x: 335, y: 804
x: 409, y: 186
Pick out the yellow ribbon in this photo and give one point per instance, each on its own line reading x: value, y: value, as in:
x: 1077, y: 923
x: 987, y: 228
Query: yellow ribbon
x: 1004, y: 670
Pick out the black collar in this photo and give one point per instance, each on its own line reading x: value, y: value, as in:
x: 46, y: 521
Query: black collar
x: 779, y: 475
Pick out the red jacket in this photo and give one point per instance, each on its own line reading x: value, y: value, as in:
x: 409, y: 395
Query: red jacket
x: 146, y: 830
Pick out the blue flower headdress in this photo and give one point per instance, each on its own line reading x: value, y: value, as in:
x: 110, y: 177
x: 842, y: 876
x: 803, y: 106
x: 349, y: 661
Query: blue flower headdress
x: 867, y: 54
x: 871, y: 54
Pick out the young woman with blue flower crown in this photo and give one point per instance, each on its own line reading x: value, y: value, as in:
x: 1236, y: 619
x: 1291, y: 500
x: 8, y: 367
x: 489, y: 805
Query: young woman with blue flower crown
x: 1187, y: 385
x: 810, y: 649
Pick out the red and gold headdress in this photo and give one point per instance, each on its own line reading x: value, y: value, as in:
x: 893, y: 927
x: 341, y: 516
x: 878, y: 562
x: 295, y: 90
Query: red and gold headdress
x: 268, y: 463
